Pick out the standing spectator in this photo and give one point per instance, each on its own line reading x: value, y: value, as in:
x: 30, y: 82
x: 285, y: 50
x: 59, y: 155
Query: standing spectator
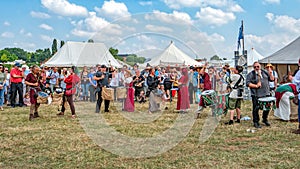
x: 258, y: 82
x: 122, y: 75
x: 16, y: 77
x: 152, y: 82
x: 273, y: 84
x: 2, y: 85
x: 53, y: 78
x: 93, y: 85
x: 84, y: 82
x: 114, y: 82
x: 7, y: 93
x: 191, y: 87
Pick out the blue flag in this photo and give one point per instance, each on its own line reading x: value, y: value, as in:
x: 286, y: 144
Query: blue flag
x: 241, y: 36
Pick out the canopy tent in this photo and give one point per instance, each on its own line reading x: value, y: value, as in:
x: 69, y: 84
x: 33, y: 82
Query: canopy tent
x: 82, y: 54
x: 253, y: 56
x: 285, y: 60
x: 172, y: 56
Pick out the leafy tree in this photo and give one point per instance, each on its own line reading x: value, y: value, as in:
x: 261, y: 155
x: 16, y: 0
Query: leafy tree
x: 115, y: 52
x: 215, y: 57
x: 62, y: 43
x: 17, y: 53
x: 54, y: 46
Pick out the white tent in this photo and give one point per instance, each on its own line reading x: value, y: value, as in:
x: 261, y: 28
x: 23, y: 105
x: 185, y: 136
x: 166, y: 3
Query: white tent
x: 173, y: 56
x: 252, y: 56
x: 82, y: 54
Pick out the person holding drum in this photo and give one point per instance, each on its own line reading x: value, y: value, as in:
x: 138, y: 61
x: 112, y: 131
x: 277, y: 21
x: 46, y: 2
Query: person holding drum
x: 258, y: 82
x: 32, y: 80
x: 236, y: 94
x: 102, y: 77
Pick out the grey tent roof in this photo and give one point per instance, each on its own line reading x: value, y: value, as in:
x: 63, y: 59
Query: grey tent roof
x: 287, y: 55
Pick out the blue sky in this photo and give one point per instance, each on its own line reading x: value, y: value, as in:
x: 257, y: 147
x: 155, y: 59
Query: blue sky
x: 203, y: 26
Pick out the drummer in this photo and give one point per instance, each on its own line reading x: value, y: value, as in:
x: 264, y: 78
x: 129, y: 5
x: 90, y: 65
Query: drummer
x: 236, y: 96
x: 32, y: 80
x: 258, y: 82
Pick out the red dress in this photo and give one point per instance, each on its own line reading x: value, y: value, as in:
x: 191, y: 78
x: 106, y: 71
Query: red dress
x: 129, y: 101
x: 183, y: 101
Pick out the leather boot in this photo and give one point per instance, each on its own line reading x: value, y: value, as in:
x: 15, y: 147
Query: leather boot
x: 31, y: 117
x: 36, y: 115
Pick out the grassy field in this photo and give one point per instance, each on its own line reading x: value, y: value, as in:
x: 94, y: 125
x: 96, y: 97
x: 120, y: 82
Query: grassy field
x: 62, y: 142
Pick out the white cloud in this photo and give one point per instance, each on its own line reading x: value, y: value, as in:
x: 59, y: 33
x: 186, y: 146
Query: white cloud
x: 271, y: 1
x: 229, y: 5
x: 46, y: 38
x: 156, y: 28
x: 64, y: 8
x: 39, y: 15
x: 89, y: 26
x: 7, y: 35
x: 216, y: 38
x: 46, y: 27
x: 146, y: 3
x: 6, y: 23
x: 112, y: 9
x: 285, y: 23
x: 213, y: 16
x: 27, y: 34
x: 173, y: 18
x: 269, y: 16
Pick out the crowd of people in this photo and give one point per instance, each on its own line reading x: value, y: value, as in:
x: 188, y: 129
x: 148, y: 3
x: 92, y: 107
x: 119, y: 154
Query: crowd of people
x: 155, y: 85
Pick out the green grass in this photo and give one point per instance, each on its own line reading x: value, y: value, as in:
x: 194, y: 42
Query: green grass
x: 61, y: 142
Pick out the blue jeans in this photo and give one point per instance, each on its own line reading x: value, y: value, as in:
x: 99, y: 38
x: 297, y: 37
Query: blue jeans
x: 85, y: 89
x: 2, y: 96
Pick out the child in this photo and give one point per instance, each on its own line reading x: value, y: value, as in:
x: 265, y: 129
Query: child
x: 142, y: 97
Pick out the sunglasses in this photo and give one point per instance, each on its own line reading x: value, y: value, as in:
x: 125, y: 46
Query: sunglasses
x: 256, y: 66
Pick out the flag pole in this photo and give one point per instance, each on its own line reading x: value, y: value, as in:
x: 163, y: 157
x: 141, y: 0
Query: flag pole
x: 243, y: 38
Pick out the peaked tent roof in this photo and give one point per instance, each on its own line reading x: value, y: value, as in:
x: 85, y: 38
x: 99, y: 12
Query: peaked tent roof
x: 171, y: 56
x: 82, y: 54
x: 253, y: 56
x: 287, y: 55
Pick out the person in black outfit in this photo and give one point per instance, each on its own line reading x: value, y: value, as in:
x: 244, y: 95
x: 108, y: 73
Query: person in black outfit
x: 138, y: 83
x: 102, y: 77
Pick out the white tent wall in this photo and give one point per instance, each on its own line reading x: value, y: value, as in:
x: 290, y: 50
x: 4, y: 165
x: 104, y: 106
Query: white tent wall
x: 82, y: 54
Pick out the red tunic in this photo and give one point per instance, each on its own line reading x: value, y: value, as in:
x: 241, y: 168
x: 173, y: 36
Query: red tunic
x: 183, y: 101
x: 33, y: 89
x: 17, y: 72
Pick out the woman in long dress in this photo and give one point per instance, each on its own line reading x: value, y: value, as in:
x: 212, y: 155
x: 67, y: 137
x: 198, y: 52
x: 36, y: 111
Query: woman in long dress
x: 152, y: 82
x: 129, y: 101
x: 183, y: 102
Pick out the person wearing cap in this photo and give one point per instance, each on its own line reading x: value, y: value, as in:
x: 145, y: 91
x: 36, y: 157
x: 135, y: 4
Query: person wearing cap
x: 236, y: 94
x: 258, y: 82
x: 102, y: 77
x: 273, y: 84
x: 16, y: 77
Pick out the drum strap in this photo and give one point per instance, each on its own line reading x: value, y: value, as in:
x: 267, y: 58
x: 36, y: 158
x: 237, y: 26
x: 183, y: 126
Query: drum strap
x: 238, y: 82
